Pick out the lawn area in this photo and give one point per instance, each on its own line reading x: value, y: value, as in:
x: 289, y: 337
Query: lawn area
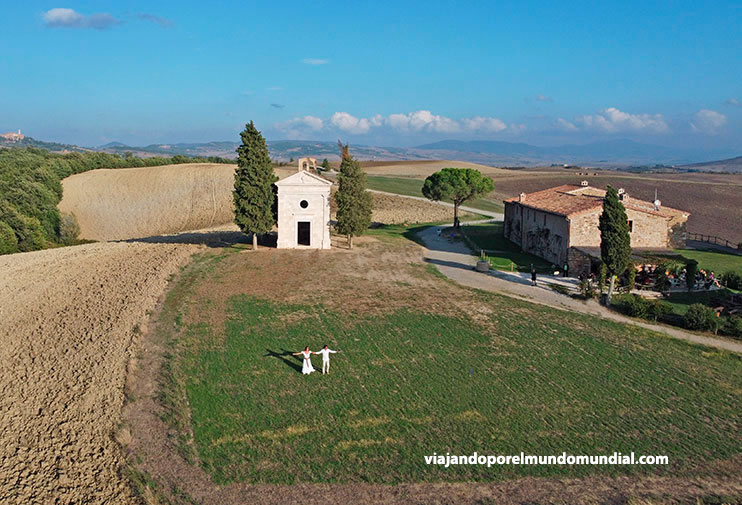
x: 426, y: 366
x: 681, y: 301
x: 715, y: 261
x: 413, y: 187
x: 502, y: 253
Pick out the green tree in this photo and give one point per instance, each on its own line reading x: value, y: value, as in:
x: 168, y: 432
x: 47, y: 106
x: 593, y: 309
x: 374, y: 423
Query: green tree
x: 325, y: 164
x: 615, y: 241
x: 8, y: 240
x: 354, y: 203
x: 457, y: 185
x: 691, y: 270
x: 254, y: 181
x: 69, y: 229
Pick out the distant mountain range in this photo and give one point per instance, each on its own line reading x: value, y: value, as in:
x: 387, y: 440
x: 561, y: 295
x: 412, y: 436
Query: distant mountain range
x: 620, y: 152
x: 608, y: 154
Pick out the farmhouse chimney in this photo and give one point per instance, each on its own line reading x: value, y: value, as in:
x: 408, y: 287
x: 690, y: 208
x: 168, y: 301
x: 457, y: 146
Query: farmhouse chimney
x: 522, y: 197
x: 584, y: 184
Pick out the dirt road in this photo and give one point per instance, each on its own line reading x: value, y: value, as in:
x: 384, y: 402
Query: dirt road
x: 68, y: 320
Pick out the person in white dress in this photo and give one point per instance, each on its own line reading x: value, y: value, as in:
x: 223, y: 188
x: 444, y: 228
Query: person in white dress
x: 306, y: 367
x: 325, y: 352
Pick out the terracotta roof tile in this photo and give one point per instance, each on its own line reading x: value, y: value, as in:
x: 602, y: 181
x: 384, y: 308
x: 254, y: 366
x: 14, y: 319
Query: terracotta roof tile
x: 568, y: 200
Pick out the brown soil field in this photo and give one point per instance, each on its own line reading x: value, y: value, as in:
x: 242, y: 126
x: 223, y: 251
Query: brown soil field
x: 131, y: 203
x: 714, y: 201
x: 69, y: 319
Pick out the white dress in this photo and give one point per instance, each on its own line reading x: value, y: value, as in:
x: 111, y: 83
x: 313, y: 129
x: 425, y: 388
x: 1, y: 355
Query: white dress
x: 307, y: 367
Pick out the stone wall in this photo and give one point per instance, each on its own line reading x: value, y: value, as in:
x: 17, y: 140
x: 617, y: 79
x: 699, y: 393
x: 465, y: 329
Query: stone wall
x: 540, y: 233
x: 580, y: 263
x: 648, y: 230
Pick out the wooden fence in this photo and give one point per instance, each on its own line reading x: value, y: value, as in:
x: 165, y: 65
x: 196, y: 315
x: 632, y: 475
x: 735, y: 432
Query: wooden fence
x: 712, y: 239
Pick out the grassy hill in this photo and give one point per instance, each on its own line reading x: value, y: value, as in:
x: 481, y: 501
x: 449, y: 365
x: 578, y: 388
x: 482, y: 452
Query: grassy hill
x: 434, y: 368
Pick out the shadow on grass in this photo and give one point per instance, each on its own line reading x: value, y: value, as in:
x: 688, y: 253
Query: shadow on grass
x: 286, y: 357
x: 453, y: 264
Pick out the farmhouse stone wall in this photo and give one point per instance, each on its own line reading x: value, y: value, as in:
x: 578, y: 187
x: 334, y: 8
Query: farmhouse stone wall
x: 580, y: 263
x: 551, y: 235
x: 540, y: 233
x: 648, y: 230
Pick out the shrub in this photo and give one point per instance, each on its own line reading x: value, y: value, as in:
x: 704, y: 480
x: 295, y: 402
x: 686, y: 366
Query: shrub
x: 69, y: 229
x: 732, y: 280
x: 700, y: 317
x: 634, y: 305
x: 733, y: 327
x: 588, y: 290
x: 631, y: 277
x: 657, y: 309
x: 8, y: 240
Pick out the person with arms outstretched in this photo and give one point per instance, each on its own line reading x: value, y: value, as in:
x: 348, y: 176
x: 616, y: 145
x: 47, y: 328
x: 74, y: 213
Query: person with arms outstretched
x: 325, y: 352
x: 306, y: 367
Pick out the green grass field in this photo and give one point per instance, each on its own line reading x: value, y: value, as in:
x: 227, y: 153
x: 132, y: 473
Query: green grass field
x: 715, y: 261
x: 413, y: 187
x: 503, y: 254
x: 410, y: 382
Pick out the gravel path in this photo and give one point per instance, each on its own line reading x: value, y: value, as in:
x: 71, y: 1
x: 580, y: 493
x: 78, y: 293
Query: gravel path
x: 455, y: 261
x: 68, y: 320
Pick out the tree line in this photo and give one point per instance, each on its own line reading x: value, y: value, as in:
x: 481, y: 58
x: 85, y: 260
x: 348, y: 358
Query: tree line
x: 31, y: 188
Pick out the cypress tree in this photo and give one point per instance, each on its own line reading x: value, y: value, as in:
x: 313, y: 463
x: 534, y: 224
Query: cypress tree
x: 254, y: 196
x: 615, y: 241
x: 354, y: 203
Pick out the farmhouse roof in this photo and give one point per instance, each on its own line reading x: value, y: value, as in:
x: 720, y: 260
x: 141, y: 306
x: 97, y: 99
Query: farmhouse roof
x: 304, y: 178
x: 569, y: 200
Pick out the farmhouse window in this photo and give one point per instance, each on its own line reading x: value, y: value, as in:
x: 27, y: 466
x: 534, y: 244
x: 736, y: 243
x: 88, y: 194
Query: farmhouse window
x: 304, y: 204
x: 631, y: 226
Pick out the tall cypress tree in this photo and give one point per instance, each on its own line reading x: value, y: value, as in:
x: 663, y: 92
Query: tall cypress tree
x: 354, y: 203
x: 254, y: 180
x: 615, y: 241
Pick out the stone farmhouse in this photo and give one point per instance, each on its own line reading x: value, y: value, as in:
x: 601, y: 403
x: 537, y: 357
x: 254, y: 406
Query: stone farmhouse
x: 561, y: 224
x: 304, y: 209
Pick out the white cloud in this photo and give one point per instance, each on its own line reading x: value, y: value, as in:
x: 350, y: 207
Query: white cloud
x: 423, y: 120
x: 708, y: 121
x: 315, y: 61
x: 563, y: 124
x: 349, y: 123
x: 305, y: 122
x: 479, y: 123
x: 69, y: 18
x: 734, y: 102
x: 412, y: 122
x: 612, y: 120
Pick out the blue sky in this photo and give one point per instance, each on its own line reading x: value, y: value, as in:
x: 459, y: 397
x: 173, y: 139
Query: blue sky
x: 387, y: 73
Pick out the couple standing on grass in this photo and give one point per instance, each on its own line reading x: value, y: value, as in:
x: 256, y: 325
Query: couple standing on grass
x: 307, y: 367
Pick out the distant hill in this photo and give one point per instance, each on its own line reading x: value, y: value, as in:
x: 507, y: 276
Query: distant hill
x: 611, y: 152
x: 282, y: 150
x: 729, y: 165
x: 620, y: 153
x: 49, y: 146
